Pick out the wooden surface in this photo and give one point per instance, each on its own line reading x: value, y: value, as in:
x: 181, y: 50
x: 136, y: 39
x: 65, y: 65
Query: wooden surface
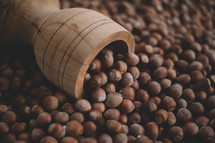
x: 65, y: 41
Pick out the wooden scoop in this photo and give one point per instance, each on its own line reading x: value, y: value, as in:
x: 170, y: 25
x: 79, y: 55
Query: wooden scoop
x: 65, y: 41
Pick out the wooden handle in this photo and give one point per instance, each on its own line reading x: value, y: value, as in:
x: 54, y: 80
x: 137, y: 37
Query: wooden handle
x: 65, y: 41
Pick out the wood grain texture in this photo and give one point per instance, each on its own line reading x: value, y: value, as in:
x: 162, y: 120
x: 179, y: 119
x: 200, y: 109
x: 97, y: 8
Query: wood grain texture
x: 65, y: 41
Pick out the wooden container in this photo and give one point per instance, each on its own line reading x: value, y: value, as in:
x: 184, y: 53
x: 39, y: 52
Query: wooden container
x: 65, y: 41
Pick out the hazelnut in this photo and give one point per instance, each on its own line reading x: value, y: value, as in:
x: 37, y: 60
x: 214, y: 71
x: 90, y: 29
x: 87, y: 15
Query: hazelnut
x: 171, y: 120
x: 74, y: 128
x: 132, y: 59
x: 3, y: 109
x: 143, y: 139
x: 88, y: 140
x: 183, y: 115
x: 136, y: 129
x: 181, y: 103
x: 134, y: 118
x: 171, y: 74
x: 126, y: 106
x: 8, y: 138
x: 188, y: 95
x: 196, y: 75
x: 114, y: 126
x: 95, y: 115
x: 77, y: 116
x: 50, y: 103
x: 161, y: 116
x: 107, y: 60
x: 113, y: 100
x: 44, y: 119
x: 137, y: 106
x: 99, y: 106
x: 89, y: 128
x: 175, y: 91
x: 202, y: 121
x: 98, y: 95
x: 206, y: 133
x: 9, y: 117
x: 17, y: 128
x: 165, y: 83
x: 142, y: 95
x: 112, y: 114
x: 61, y: 117
x: 104, y: 78
x: 176, y: 133
x: 48, y: 139
x: 211, y: 102
x: 121, y: 66
x: 69, y: 140
x: 62, y: 98
x: 144, y: 59
x: 114, y: 75
x: 160, y: 73
x: 168, y: 63
x: 134, y: 71
x: 201, y: 96
x: 197, y: 108
x: 125, y: 129
x: 155, y: 61
x: 168, y: 103
x: 127, y: 79
x: 94, y: 82
x: 131, y: 139
x: 56, y: 130
x: 144, y: 78
x: 4, y: 128
x: 95, y: 66
x: 120, y: 138
x: 83, y: 105
x: 24, y: 136
x: 36, y: 109
x: 68, y: 108
x: 211, y: 114
x: 190, y: 129
x: 105, y: 138
x: 37, y: 134
x: 153, y: 88
x: 128, y: 93
x: 110, y: 87
x: 135, y: 85
x: 152, y: 130
x: 124, y: 119
x: 184, y: 79
x: 203, y: 84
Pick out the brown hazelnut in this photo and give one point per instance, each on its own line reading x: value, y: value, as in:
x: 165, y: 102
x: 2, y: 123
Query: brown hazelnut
x: 24, y: 136
x: 211, y: 114
x: 4, y: 128
x: 142, y: 95
x: 128, y: 93
x: 61, y: 117
x: 175, y: 91
x: 98, y: 95
x: 152, y: 130
x: 125, y: 129
x: 68, y: 108
x: 150, y: 106
x: 4, y: 84
x: 95, y: 115
x: 104, y: 78
x: 160, y: 73
x: 120, y: 138
x: 44, y: 119
x: 95, y: 66
x: 89, y: 128
x: 114, y: 75
x: 132, y: 59
x: 143, y: 139
x: 168, y: 103
x: 74, y: 128
x: 202, y: 121
x: 136, y: 129
x: 135, y: 85
x: 126, y: 106
x: 114, y: 126
x: 69, y: 140
x: 168, y: 63
x: 105, y: 138
x: 56, y: 130
x: 206, y: 133
x: 201, y: 96
x: 137, y: 106
x: 121, y: 66
x: 112, y: 114
x: 37, y: 134
x: 155, y: 61
x: 203, y: 84
x: 181, y: 103
x: 184, y: 79
x: 144, y: 78
x: 134, y: 71
x: 211, y: 102
x: 153, y: 88
x: 160, y: 116
x: 171, y: 120
x: 165, y: 83
x: 17, y: 128
x: 176, y: 133
x: 144, y: 59
x: 94, y: 82
x: 183, y: 115
x: 3, y: 109
x: 196, y: 108
x: 134, y: 118
x: 127, y: 79
x: 113, y: 100
x: 62, y: 98
x: 124, y: 119
x: 88, y: 140
x: 83, y: 105
x: 99, y: 106
x: 48, y: 139
x: 188, y: 95
x: 36, y: 109
x: 190, y: 129
x: 196, y: 75
x: 171, y: 74
x: 77, y: 116
x: 107, y: 60
x: 131, y: 139
x: 9, y: 117
x: 50, y: 103
x: 110, y: 87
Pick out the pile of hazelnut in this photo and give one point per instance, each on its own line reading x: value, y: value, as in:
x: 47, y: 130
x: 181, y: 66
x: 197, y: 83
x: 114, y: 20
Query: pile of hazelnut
x: 162, y: 93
